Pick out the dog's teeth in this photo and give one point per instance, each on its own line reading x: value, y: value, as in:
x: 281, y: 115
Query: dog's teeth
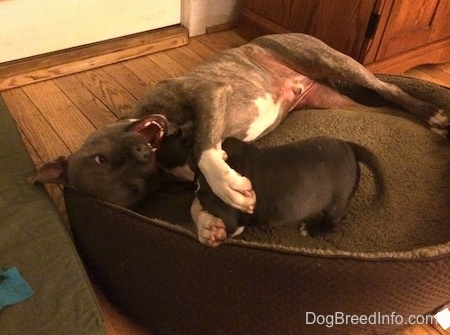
x: 157, y: 124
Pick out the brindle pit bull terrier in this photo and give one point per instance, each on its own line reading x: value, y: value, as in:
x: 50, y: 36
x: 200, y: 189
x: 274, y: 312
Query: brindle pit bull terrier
x: 243, y: 92
x: 294, y: 182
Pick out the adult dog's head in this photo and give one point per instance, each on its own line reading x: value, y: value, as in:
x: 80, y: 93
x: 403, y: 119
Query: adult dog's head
x: 116, y: 163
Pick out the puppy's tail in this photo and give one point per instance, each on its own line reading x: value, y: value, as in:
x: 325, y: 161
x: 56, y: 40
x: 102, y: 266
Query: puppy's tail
x: 368, y: 158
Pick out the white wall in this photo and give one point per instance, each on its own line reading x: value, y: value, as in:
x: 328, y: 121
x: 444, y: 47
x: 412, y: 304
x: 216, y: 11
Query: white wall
x: 32, y: 27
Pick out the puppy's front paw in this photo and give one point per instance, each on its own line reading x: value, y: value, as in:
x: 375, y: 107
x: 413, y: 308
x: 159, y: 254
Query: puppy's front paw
x: 440, y: 123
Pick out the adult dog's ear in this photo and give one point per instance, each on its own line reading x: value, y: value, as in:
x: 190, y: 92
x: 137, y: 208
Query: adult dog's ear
x: 53, y: 172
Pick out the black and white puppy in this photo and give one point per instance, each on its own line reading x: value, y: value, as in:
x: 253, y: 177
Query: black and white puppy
x: 293, y: 182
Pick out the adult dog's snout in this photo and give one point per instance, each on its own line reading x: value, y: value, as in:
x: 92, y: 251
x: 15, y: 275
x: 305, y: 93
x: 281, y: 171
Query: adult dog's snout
x: 141, y: 152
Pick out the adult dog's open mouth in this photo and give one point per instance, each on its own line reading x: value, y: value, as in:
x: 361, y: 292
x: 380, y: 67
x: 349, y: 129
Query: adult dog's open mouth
x: 153, y: 128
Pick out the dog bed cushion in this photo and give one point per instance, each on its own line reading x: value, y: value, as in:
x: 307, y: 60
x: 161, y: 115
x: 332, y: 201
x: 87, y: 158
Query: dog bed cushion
x: 34, y: 240
x: 271, y: 279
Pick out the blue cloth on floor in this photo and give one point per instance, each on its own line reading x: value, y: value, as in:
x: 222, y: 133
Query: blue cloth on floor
x: 13, y: 288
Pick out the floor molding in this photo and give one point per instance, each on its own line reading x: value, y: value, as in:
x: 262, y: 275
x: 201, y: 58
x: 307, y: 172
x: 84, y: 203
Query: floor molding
x: 43, y: 67
x: 221, y: 27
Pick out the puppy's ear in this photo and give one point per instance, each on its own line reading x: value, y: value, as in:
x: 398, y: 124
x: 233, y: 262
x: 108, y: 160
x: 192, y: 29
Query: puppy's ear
x: 53, y: 172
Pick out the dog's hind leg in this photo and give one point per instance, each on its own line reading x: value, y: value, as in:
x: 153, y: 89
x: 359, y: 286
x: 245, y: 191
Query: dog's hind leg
x: 355, y: 73
x: 425, y: 111
x: 312, y: 57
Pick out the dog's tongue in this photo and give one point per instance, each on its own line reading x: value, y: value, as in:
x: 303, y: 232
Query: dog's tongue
x: 153, y: 128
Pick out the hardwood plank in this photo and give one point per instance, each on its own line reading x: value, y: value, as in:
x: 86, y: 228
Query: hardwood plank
x: 444, y: 67
x: 185, y: 56
x: 133, y: 84
x: 64, y: 117
x: 111, y: 93
x: 233, y: 37
x: 206, y: 46
x: 81, y: 59
x: 91, y: 107
x: 438, y: 74
x: 146, y: 70
x: 216, y: 42
x: 200, y: 48
x: 39, y: 134
x: 166, y: 63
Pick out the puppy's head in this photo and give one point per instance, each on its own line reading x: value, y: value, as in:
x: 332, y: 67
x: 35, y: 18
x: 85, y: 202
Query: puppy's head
x: 116, y: 163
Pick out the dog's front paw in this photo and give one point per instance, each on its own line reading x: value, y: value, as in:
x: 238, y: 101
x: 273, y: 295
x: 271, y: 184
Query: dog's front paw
x: 237, y: 192
x: 234, y: 189
x: 211, y: 230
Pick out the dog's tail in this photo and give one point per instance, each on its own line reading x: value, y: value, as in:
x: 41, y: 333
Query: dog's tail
x: 368, y: 158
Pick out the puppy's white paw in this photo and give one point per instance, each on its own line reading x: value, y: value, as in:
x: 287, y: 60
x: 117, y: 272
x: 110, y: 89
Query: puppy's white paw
x: 234, y: 189
x: 440, y: 119
x: 211, y: 230
x: 304, y: 229
x: 238, y: 231
x: 440, y: 123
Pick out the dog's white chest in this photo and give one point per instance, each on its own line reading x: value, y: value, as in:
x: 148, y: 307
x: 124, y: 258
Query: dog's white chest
x: 268, y: 111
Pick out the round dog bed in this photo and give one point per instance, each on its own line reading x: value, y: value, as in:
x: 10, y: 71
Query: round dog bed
x: 373, y: 274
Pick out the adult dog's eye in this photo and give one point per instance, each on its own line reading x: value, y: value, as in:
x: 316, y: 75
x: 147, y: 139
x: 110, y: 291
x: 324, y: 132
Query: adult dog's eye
x: 100, y: 159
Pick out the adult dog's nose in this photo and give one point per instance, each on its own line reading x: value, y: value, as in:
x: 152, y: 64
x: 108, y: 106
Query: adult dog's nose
x: 141, y: 152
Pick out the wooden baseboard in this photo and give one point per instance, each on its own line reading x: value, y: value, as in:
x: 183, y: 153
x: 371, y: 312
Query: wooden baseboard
x: 433, y: 53
x: 221, y: 27
x: 43, y: 67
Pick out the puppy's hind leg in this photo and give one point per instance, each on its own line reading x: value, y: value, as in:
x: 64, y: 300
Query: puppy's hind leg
x: 319, y: 225
x: 211, y: 230
x: 336, y: 212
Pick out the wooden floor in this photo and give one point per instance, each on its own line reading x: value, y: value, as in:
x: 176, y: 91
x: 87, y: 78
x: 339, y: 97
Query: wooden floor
x: 436, y: 73
x: 55, y: 116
